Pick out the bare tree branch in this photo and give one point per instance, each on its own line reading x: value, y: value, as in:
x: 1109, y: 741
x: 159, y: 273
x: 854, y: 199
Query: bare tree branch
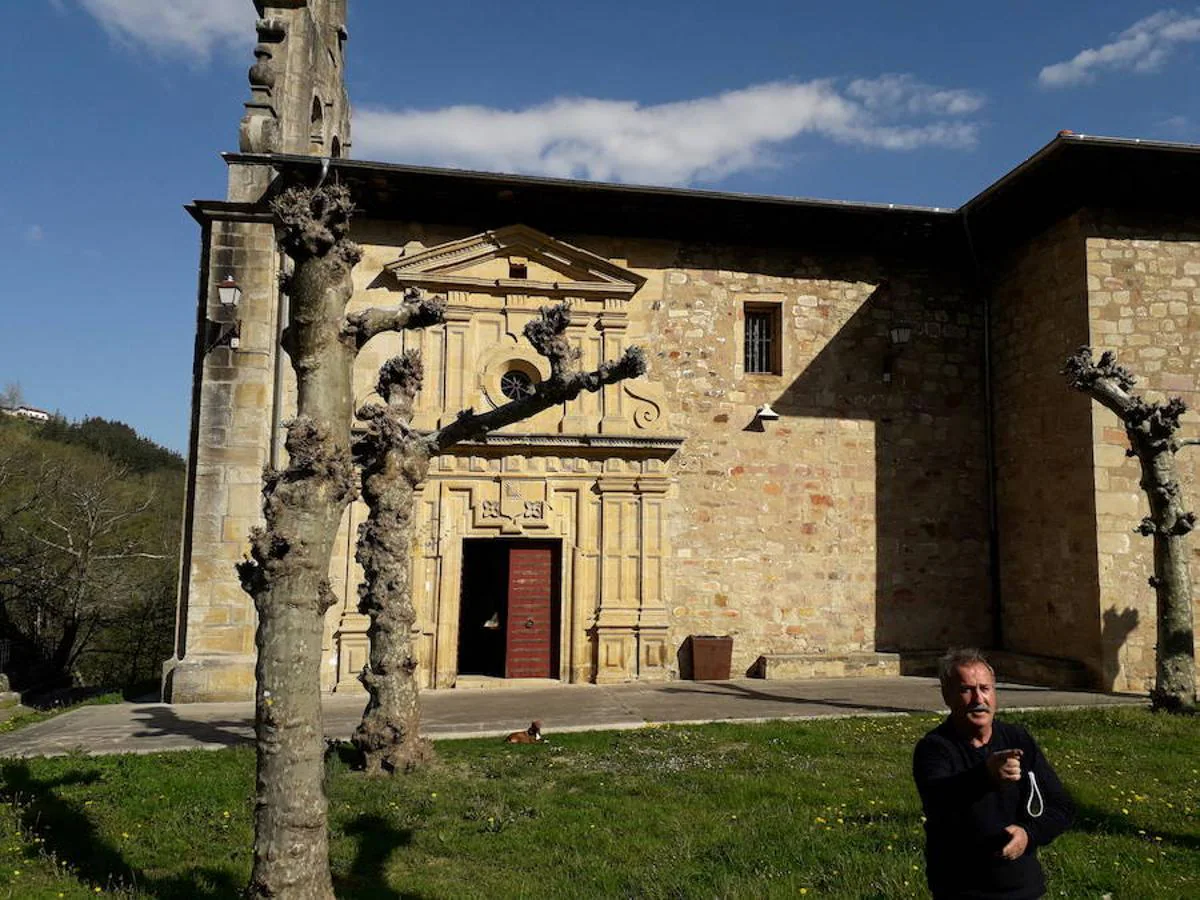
x: 416, y: 310
x: 548, y: 336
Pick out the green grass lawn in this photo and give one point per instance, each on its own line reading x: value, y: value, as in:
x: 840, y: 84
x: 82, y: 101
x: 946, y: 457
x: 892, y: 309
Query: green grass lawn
x: 815, y: 809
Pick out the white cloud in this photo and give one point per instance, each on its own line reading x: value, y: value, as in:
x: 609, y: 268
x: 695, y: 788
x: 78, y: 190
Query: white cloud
x: 672, y: 143
x: 193, y: 27
x: 1142, y: 47
x: 904, y: 95
x: 1179, y: 128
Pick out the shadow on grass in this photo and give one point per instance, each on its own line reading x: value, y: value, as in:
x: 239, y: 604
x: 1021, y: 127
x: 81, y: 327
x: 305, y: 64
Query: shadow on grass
x: 345, y: 753
x: 377, y: 840
x: 69, y: 835
x: 1094, y: 820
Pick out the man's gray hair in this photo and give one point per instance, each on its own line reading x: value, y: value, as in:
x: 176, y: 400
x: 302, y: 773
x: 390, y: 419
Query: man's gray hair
x: 954, y: 659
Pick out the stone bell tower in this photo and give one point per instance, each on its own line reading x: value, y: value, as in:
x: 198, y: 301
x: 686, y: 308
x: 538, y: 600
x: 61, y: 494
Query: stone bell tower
x: 298, y: 106
x: 298, y: 101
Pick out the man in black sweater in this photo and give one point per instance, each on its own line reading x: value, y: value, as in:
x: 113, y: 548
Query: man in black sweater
x: 990, y: 797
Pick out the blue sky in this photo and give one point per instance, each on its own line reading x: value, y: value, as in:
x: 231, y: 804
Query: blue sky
x: 116, y: 111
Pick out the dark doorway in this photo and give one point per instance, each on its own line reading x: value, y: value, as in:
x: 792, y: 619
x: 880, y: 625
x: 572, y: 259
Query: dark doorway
x: 510, y: 609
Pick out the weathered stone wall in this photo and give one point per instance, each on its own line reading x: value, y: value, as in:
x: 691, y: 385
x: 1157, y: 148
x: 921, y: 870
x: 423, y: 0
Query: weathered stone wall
x: 233, y: 414
x: 857, y: 521
x: 1144, y: 303
x: 1043, y: 440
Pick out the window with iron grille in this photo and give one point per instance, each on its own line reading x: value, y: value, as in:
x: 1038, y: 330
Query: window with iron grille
x: 763, y: 335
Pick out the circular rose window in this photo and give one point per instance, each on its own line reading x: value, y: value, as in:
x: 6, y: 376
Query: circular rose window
x: 515, y: 384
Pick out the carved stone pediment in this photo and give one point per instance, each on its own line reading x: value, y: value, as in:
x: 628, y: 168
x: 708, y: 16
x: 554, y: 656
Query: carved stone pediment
x: 515, y: 259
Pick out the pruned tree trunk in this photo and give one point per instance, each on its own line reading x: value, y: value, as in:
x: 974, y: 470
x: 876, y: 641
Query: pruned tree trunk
x: 287, y: 574
x: 303, y: 505
x: 1151, y: 428
x: 394, y: 460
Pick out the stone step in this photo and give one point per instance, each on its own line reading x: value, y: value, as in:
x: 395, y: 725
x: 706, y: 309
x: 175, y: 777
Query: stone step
x: 826, y: 665
x: 487, y: 682
x: 1012, y: 666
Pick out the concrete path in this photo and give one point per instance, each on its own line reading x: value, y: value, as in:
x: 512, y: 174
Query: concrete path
x: 154, y: 727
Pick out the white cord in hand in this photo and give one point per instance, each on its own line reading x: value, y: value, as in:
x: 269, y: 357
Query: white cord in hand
x: 1034, y: 792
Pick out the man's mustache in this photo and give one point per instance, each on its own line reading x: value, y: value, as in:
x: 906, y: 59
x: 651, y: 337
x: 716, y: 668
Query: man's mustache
x: 979, y: 707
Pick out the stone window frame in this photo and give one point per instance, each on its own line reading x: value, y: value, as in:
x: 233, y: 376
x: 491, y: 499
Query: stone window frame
x: 773, y: 305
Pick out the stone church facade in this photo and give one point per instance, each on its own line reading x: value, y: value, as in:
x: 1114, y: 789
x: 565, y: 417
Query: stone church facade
x: 852, y: 449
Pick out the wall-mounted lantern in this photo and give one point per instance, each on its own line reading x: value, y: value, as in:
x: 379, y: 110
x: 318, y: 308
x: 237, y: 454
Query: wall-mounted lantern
x: 766, y: 414
x: 225, y: 333
x: 230, y: 292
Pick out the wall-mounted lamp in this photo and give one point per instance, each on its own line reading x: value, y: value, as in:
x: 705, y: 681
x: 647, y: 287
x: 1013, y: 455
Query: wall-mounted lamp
x: 766, y: 414
x: 230, y: 292
x: 899, y: 335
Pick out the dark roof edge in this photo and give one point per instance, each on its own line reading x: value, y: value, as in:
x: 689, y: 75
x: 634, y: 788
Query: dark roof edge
x: 1062, y: 140
x: 273, y: 159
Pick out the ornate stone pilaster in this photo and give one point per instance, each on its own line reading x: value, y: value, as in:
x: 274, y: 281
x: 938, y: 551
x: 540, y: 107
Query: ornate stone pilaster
x: 456, y: 359
x: 583, y: 414
x: 618, y: 612
x: 653, y: 650
x: 613, y: 325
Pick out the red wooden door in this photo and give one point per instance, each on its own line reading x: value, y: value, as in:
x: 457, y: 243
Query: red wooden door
x: 530, y: 623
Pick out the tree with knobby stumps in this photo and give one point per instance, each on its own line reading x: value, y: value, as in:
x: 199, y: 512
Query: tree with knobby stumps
x: 303, y: 505
x: 1151, y: 428
x: 394, y: 459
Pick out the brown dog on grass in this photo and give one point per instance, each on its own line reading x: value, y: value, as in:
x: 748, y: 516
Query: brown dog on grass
x: 531, y: 735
